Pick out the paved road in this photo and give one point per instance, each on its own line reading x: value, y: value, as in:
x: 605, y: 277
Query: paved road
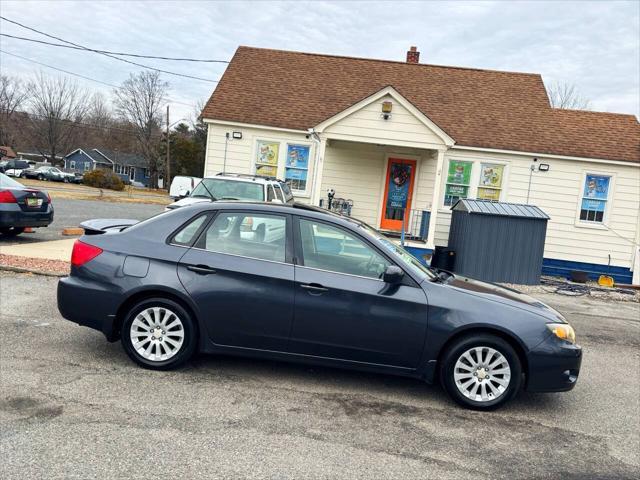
x: 74, y: 406
x: 69, y: 213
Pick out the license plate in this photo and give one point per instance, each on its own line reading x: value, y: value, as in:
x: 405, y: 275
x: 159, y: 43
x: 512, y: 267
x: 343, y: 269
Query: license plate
x: 34, y: 202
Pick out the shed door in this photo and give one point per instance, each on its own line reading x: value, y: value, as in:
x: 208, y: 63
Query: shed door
x: 398, y: 190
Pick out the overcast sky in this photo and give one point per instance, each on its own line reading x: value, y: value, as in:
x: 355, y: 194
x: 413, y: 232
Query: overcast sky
x: 594, y: 45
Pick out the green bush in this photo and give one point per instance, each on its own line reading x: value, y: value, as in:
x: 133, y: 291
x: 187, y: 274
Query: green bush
x: 103, y: 179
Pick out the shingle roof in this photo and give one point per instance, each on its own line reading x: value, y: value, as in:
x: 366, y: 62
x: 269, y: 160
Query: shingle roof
x: 123, y: 158
x: 487, y: 207
x: 479, y: 108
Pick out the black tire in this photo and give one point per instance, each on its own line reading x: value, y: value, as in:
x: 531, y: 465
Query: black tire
x: 462, y: 345
x: 65, y: 179
x: 190, y: 338
x: 41, y: 177
x: 11, y: 231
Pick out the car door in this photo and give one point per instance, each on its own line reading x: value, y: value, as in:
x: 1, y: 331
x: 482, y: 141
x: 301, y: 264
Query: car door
x: 240, y: 275
x: 343, y: 310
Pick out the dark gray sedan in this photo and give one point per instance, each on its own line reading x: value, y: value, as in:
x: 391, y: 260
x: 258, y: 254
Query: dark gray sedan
x: 293, y: 282
x: 22, y: 207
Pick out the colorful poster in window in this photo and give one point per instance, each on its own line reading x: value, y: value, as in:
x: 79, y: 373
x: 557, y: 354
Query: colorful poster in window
x: 459, y: 172
x: 298, y: 156
x: 596, y: 187
x: 266, y: 170
x: 268, y: 153
x: 491, y: 175
x: 593, y: 205
x: 492, y: 194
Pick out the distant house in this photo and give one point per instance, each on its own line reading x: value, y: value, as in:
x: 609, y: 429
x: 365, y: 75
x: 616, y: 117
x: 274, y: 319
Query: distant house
x: 7, y: 152
x: 37, y: 157
x: 129, y: 166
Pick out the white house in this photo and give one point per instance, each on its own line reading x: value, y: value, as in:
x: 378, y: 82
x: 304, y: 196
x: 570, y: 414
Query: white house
x: 391, y: 136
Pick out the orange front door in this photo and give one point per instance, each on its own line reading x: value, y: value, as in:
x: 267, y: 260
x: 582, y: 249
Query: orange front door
x: 398, y: 190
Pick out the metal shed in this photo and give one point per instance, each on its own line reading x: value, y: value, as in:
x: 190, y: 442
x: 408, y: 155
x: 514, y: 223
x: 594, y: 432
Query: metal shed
x: 498, y: 242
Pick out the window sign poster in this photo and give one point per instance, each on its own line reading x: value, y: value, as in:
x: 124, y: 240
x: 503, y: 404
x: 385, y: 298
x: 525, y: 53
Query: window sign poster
x: 459, y: 172
x: 492, y: 194
x: 593, y: 205
x: 398, y: 188
x: 458, y: 191
x: 298, y: 156
x: 491, y: 175
x: 266, y: 170
x: 295, y: 174
x: 596, y: 187
x: 268, y: 153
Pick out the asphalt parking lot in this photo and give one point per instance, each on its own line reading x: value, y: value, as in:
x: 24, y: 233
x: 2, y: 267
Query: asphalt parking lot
x: 69, y: 213
x: 74, y: 406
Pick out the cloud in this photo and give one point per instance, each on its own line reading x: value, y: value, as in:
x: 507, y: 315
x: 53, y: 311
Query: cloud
x: 594, y: 45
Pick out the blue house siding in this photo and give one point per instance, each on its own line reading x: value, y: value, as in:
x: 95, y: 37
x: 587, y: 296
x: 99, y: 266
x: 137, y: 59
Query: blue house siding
x: 81, y: 160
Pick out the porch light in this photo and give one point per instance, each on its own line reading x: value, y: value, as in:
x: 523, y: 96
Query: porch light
x: 237, y: 135
x: 543, y: 167
x: 387, y: 107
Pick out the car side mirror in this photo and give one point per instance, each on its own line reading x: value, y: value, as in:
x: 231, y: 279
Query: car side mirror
x: 393, y: 275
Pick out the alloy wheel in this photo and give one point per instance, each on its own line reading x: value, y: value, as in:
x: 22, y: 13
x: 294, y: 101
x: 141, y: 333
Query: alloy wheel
x: 157, y: 334
x: 482, y: 374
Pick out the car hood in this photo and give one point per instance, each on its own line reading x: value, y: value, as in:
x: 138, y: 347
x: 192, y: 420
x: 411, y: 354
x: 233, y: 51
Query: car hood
x: 504, y: 295
x: 187, y: 201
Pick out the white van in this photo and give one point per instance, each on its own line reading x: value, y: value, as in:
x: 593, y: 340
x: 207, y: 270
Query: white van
x: 183, y: 186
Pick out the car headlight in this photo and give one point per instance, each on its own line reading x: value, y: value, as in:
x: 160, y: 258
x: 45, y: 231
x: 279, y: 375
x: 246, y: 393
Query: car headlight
x: 563, y: 331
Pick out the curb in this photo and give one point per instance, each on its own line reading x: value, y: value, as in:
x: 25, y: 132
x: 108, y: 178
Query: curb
x: 10, y: 268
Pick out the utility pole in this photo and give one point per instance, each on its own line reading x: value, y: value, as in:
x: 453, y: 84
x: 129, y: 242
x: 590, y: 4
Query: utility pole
x: 167, y: 176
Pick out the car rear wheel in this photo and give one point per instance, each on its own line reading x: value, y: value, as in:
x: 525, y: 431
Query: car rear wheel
x: 159, y: 334
x: 11, y: 231
x: 481, y: 371
x: 41, y: 177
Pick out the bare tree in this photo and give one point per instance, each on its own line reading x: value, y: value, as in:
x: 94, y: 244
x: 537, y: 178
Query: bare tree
x: 567, y: 96
x: 57, y: 106
x: 139, y: 101
x: 12, y: 97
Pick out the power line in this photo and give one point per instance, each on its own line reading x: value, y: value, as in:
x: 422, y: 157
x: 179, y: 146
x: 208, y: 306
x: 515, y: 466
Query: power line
x: 109, y: 55
x: 175, y: 59
x: 80, y: 76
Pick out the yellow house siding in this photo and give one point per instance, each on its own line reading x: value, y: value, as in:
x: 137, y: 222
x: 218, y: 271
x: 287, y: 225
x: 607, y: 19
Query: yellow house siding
x: 367, y: 122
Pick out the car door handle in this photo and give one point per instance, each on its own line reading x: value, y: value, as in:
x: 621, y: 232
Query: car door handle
x: 314, y: 287
x: 201, y: 269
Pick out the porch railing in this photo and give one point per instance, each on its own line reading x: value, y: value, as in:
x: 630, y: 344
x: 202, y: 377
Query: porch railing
x: 416, y: 225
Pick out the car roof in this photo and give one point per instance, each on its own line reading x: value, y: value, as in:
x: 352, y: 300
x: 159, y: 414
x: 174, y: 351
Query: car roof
x: 297, y: 208
x: 247, y: 178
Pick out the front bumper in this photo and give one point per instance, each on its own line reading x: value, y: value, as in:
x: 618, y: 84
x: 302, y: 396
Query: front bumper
x: 90, y: 304
x: 554, y: 366
x: 20, y: 218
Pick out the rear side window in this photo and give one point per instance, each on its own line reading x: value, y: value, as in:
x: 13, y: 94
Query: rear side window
x: 247, y: 235
x: 288, y: 196
x: 188, y: 233
x: 278, y: 193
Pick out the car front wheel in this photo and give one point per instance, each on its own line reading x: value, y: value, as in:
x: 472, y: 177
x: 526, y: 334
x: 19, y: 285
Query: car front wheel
x: 481, y: 371
x: 159, y: 334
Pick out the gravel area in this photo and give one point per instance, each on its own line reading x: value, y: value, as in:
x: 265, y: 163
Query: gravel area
x: 37, y: 264
x: 561, y: 286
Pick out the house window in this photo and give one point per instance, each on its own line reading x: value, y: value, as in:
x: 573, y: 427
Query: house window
x: 86, y: 166
x: 594, y: 198
x: 458, y: 180
x: 267, y: 158
x: 490, y: 185
x: 297, y: 166
x: 72, y: 164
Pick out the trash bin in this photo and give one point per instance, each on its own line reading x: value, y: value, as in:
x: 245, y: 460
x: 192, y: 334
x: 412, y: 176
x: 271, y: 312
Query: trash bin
x: 444, y: 258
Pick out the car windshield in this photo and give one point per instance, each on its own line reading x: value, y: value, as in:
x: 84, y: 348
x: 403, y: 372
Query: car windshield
x: 6, y: 182
x: 407, y: 259
x: 229, y: 189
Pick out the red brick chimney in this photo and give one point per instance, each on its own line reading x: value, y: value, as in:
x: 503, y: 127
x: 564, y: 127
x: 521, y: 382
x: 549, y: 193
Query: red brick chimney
x: 413, y: 55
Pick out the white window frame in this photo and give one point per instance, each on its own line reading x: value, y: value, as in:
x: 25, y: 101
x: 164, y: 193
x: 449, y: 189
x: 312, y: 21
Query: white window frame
x: 282, y: 158
x: 86, y: 166
x: 72, y: 164
x: 607, y: 205
x: 477, y: 161
x: 307, y: 190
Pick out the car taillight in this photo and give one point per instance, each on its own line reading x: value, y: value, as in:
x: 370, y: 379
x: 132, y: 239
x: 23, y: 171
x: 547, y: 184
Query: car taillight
x: 7, y: 197
x: 83, y: 252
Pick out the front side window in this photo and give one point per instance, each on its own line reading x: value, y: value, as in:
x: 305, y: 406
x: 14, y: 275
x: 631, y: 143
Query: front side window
x: 490, y: 185
x: 594, y: 198
x: 331, y: 248
x: 247, y: 235
x: 297, y: 166
x: 458, y: 180
x: 267, y: 158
